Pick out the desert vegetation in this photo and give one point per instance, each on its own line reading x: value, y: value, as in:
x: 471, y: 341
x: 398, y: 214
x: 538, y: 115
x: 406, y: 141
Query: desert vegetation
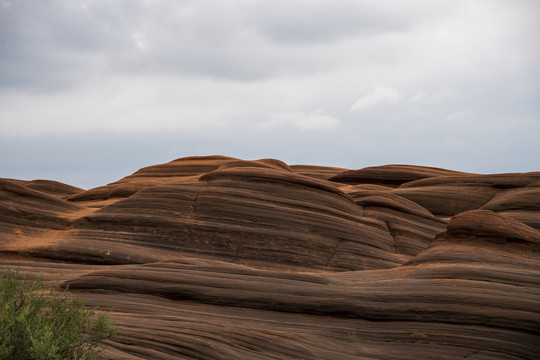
x: 39, y: 323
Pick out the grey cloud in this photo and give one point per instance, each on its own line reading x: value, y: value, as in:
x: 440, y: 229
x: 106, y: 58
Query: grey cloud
x: 57, y: 44
x: 322, y: 21
x: 48, y: 45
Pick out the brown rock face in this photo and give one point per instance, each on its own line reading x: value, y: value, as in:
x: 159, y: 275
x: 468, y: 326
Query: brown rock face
x: 220, y: 258
x: 389, y: 175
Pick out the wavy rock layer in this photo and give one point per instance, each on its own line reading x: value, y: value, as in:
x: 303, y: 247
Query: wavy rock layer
x: 220, y: 258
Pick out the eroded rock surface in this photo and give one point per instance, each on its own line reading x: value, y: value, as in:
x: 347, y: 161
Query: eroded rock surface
x: 221, y: 258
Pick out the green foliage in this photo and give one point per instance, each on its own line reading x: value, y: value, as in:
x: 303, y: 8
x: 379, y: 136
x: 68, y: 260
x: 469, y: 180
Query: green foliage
x: 38, y: 323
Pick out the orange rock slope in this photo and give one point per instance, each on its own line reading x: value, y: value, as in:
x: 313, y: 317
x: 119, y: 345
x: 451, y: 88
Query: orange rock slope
x: 220, y: 258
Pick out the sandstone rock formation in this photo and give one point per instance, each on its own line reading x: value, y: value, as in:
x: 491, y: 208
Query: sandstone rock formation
x: 220, y: 258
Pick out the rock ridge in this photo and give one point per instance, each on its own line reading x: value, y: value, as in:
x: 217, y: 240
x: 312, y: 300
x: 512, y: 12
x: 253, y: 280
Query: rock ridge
x: 213, y: 257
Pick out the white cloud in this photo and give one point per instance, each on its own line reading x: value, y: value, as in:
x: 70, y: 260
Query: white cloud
x: 139, y: 41
x: 304, y: 121
x: 423, y: 97
x: 380, y: 95
x: 156, y: 104
x: 459, y: 115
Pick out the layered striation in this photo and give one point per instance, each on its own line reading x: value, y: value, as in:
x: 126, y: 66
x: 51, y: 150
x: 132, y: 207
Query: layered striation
x: 221, y: 258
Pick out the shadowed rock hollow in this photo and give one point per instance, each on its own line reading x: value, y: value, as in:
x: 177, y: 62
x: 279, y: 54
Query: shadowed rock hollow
x: 220, y: 258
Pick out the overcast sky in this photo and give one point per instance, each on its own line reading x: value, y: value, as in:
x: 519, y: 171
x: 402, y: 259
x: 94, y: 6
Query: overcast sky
x: 91, y: 91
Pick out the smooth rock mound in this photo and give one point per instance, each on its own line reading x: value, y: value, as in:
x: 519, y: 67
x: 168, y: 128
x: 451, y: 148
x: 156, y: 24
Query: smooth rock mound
x: 220, y: 258
x: 389, y: 175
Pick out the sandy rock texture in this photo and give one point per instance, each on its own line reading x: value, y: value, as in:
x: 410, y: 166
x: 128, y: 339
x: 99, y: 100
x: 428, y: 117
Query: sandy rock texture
x: 220, y: 258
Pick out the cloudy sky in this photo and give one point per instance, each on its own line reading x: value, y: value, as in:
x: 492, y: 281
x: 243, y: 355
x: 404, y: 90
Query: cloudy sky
x: 91, y: 91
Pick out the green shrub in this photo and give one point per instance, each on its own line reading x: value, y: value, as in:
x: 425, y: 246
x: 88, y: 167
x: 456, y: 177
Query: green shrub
x: 38, y: 323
